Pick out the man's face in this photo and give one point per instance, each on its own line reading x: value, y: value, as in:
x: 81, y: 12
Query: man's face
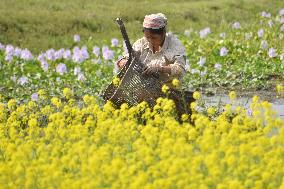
x: 154, y: 39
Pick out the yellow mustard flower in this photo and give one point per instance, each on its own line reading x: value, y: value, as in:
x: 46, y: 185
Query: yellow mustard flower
x: 165, y: 89
x: 108, y: 145
x: 116, y: 81
x: 41, y: 93
x: 196, y: 95
x: 255, y: 99
x: 176, y: 83
x: 67, y: 93
x: 56, y: 102
x: 279, y: 89
x: 232, y: 95
x: 184, y: 117
x: 211, y: 111
x: 33, y: 122
x: 193, y: 106
x: 12, y: 104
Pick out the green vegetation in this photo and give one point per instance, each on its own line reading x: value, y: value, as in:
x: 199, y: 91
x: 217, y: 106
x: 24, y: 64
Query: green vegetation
x: 42, y: 24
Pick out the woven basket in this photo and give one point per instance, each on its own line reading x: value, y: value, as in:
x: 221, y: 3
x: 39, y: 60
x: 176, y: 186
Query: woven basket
x: 136, y: 87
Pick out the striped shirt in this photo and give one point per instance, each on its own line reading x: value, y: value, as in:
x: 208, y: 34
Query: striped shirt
x: 172, y: 49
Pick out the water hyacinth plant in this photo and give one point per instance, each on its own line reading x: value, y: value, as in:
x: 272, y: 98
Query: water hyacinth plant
x: 236, y: 56
x: 240, y: 56
x: 243, y: 57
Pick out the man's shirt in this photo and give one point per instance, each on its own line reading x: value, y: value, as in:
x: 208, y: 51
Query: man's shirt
x: 172, y: 49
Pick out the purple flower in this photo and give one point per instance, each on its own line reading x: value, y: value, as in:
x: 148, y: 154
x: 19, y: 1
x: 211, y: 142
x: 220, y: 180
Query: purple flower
x: 84, y: 52
x: 9, y: 50
x: 26, y: 55
x: 96, y: 51
x: 105, y: 48
x: 17, y: 52
x: 223, y: 51
x: 67, y: 54
x: 272, y: 53
x: 79, y: 55
x: 23, y: 80
x: 108, y: 54
x: 201, y: 61
x: 204, y: 32
x: 44, y: 65
x: 236, y: 25
x: 9, y: 57
x: 265, y: 14
x: 218, y: 66
x: 222, y: 35
x: 281, y: 12
x: 114, y: 42
x: 76, y: 38
x: 260, y: 33
x: 50, y: 54
x: 76, y: 49
x: 61, y: 68
x: 59, y: 54
x: 41, y: 57
x: 34, y: 97
x: 281, y: 21
x: 2, y: 47
x: 264, y: 44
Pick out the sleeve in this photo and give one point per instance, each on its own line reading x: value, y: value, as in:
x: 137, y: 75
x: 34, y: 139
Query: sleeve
x: 137, y: 46
x: 176, y: 54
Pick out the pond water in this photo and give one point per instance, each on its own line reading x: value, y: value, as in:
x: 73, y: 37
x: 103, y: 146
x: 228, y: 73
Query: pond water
x: 277, y: 103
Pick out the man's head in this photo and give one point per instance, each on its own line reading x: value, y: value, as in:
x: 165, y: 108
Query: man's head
x: 154, y: 28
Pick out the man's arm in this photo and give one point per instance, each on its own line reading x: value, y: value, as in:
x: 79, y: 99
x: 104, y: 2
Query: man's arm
x: 121, y: 62
x: 137, y: 50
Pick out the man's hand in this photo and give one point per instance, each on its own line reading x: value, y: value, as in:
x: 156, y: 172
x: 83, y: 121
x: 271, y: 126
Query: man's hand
x: 152, y: 69
x: 121, y: 63
x: 167, y: 61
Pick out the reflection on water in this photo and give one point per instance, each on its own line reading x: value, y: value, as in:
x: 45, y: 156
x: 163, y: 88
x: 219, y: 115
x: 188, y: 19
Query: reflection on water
x: 277, y: 104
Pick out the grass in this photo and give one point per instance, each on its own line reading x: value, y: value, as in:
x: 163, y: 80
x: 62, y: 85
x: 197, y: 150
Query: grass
x: 42, y: 24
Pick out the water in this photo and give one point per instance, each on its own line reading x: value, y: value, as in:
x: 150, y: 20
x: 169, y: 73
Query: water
x: 277, y: 103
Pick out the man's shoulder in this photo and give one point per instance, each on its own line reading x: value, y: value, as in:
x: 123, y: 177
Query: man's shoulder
x: 140, y: 43
x: 173, y: 38
x: 175, y: 43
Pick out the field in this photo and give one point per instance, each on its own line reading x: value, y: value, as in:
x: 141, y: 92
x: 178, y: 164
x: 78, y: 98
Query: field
x: 56, y: 58
x: 43, y: 24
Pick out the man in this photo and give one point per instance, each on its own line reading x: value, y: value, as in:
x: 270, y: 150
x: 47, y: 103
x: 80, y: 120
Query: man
x: 161, y: 52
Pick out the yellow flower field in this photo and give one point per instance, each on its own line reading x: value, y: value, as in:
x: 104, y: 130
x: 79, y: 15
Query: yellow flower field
x: 59, y: 143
